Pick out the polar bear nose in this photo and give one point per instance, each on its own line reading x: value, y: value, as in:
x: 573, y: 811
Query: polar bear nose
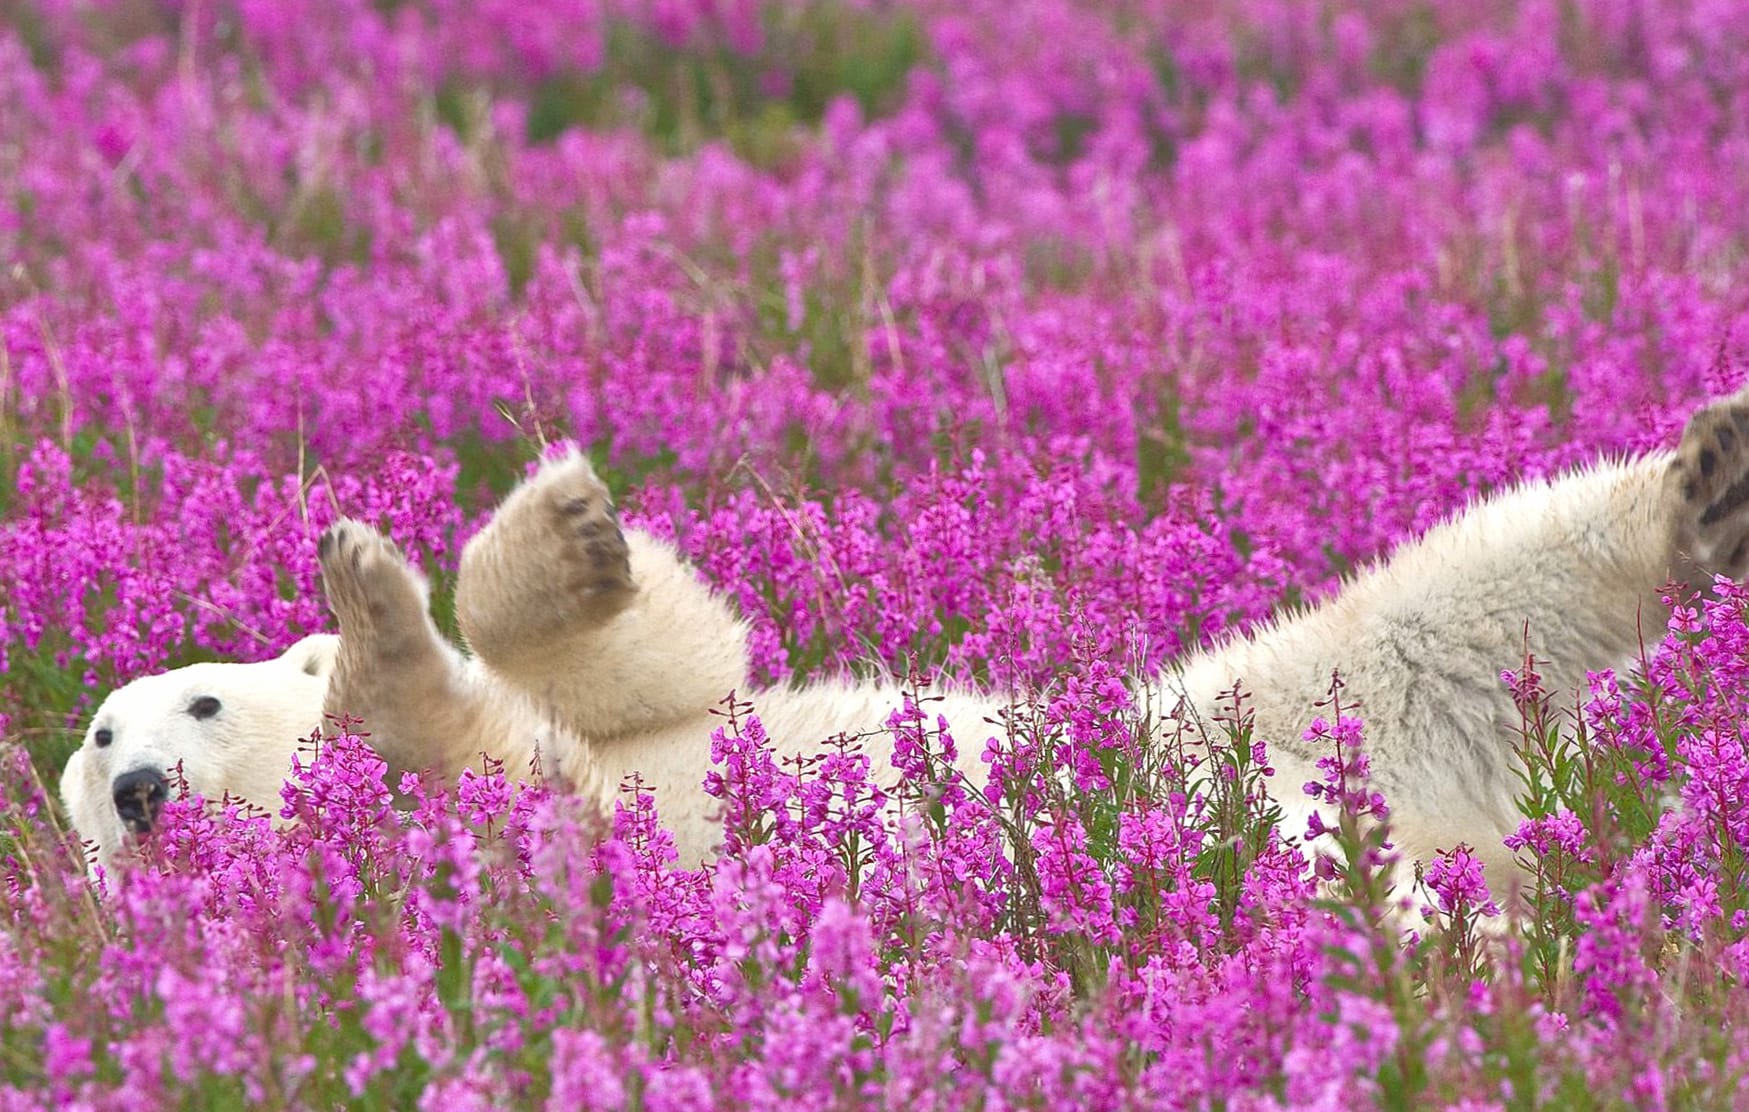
x: 138, y: 797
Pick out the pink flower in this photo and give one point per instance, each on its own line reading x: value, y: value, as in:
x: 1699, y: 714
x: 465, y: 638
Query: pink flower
x: 1455, y: 878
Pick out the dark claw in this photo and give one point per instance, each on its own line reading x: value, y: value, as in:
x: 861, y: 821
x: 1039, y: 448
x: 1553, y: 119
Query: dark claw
x: 1727, y: 503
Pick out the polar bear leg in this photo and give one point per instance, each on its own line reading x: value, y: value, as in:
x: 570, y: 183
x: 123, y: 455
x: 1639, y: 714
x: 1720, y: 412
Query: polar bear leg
x: 394, y: 670
x: 609, y: 632
x: 1709, y: 483
x: 1567, y: 569
x: 551, y: 562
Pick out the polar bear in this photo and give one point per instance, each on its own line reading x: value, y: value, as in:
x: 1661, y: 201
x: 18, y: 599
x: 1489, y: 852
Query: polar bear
x: 596, y: 654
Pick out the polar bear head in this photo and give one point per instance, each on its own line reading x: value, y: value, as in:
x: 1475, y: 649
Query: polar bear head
x: 226, y: 729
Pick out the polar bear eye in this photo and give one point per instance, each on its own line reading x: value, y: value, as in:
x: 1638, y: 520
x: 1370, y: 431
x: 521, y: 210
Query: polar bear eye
x: 204, y: 707
x: 102, y: 738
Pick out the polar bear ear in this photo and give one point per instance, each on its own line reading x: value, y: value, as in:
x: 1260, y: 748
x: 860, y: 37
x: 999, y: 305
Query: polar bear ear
x: 314, y: 655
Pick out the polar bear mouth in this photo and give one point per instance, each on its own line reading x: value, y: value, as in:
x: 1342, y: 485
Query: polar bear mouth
x: 139, y: 797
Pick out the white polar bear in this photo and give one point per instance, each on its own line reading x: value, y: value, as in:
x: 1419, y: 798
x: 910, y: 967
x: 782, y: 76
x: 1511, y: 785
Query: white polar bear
x: 598, y: 650
x: 209, y: 722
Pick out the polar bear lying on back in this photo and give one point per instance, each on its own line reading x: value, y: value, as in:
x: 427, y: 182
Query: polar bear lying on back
x: 600, y: 650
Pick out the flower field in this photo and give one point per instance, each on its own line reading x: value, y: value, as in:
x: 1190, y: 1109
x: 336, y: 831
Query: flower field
x: 1023, y: 343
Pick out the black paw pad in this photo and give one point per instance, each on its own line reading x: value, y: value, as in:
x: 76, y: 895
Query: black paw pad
x: 1733, y: 499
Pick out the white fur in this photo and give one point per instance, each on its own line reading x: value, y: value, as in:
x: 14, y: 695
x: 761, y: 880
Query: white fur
x: 599, y: 655
x: 1567, y: 570
x: 243, y: 751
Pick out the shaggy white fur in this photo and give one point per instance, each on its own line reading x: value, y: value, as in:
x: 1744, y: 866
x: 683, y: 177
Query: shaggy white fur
x: 599, y: 650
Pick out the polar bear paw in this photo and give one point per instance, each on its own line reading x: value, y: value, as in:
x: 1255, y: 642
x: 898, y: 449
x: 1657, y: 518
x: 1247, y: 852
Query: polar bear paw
x: 553, y: 560
x: 1711, y: 476
x: 583, y: 538
x: 376, y: 596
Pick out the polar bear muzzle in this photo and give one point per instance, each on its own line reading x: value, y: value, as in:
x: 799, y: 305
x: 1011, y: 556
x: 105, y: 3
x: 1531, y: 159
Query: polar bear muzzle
x: 139, y: 796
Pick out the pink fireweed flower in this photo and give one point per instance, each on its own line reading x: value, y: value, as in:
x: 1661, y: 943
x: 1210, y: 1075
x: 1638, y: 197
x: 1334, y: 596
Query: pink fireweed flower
x: 208, y: 1024
x: 1558, y: 833
x: 1455, y: 879
x: 753, y: 789
x: 395, y: 1006
x: 1090, y: 711
x: 339, y: 783
x: 1525, y: 684
x: 1344, y: 772
x: 1610, y: 957
x: 66, y: 1059
x: 842, y: 959
x: 1718, y: 780
x: 483, y: 797
x: 636, y: 823
x: 1156, y: 841
x: 586, y: 1072
x: 840, y: 804
x: 1073, y: 889
x: 920, y: 751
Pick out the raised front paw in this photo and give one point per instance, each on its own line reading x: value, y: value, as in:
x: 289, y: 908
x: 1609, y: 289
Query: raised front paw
x: 371, y: 588
x: 1710, y: 474
x: 585, y: 542
x: 552, y: 559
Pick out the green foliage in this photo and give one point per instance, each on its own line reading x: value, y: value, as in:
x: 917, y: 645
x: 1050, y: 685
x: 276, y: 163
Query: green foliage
x: 684, y: 96
x: 1240, y: 818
